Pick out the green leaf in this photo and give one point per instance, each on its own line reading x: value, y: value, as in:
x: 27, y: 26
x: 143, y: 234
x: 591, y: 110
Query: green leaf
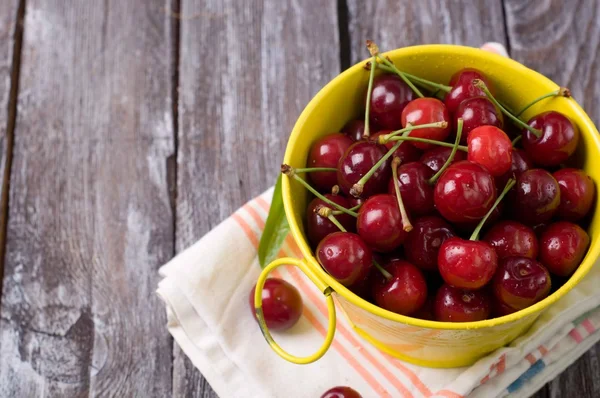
x: 276, y: 229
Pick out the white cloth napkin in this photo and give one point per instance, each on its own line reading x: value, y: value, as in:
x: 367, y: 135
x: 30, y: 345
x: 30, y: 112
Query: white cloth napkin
x: 206, y: 288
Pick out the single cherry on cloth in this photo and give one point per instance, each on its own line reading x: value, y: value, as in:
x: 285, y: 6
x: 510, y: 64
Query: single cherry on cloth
x: 477, y: 112
x: 423, y: 111
x: 326, y: 152
x: 341, y: 392
x: 345, y: 256
x: 465, y: 192
x: 318, y: 227
x: 406, y: 152
x: 520, y: 282
x: 417, y: 193
x: 562, y: 247
x: 358, y: 160
x: 557, y: 142
x: 462, y: 88
x: 520, y: 162
x: 388, y: 98
x: 577, y: 193
x: 510, y: 239
x: 454, y: 304
x: 404, y: 292
x: 436, y: 157
x: 355, y: 129
x: 423, y: 243
x: 281, y: 304
x: 536, y: 197
x: 379, y: 223
x: 490, y: 147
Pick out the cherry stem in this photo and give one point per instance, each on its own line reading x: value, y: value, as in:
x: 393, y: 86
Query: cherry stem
x: 385, y: 274
x: 314, y: 169
x: 290, y: 172
x: 509, y: 184
x: 406, y: 225
x: 562, y: 91
x: 517, y: 139
x: 427, y: 141
x: 326, y: 212
x: 402, y: 75
x: 481, y: 85
x: 437, y: 175
x: 419, y: 80
x: 367, y: 131
x: 357, y: 188
x: 385, y: 138
x: 337, y: 212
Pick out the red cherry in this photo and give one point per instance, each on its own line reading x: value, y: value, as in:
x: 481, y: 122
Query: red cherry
x: 357, y: 161
x: 477, y: 112
x: 558, y: 141
x: 345, y: 256
x: 500, y: 309
x: 326, y: 152
x: 510, y: 239
x: 536, y: 197
x: 453, y: 304
x: 406, y: 152
x: 467, y: 264
x: 318, y: 227
x: 341, y: 392
x: 490, y: 147
x: 405, y: 292
x: 355, y: 129
x: 465, y: 192
x: 577, y: 193
x: 281, y: 304
x: 562, y: 247
x: 520, y: 282
x: 427, y: 311
x: 462, y: 88
x: 436, y: 157
x: 379, y: 223
x: 423, y: 111
x: 423, y: 243
x: 389, y: 97
x: 417, y: 193
x: 520, y: 162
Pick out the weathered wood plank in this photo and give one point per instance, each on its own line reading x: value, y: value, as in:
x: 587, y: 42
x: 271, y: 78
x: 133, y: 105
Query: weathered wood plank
x: 90, y: 220
x: 561, y: 40
x: 247, y: 69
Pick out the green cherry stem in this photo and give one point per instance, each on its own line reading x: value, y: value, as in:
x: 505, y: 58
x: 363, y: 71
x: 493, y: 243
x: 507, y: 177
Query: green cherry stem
x: 463, y: 148
x: 385, y: 138
x: 419, y: 80
x: 437, y: 175
x: 406, y: 225
x: 354, y: 208
x: 373, y: 50
x: 481, y: 85
x: 385, y: 274
x: 510, y: 183
x: 290, y: 172
x: 562, y: 91
x: 357, y: 188
x: 516, y: 140
x: 402, y: 75
x: 314, y: 169
x: 326, y: 212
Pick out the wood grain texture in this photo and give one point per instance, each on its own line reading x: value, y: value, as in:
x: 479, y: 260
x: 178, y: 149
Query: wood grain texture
x: 90, y: 220
x: 247, y: 69
x: 561, y: 39
x: 393, y: 23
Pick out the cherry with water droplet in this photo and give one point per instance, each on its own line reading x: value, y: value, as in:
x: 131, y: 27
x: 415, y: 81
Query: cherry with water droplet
x: 379, y: 223
x: 405, y: 292
x: 490, y: 147
x: 520, y: 282
x: 558, y: 140
x: 454, y: 304
x: 536, y: 197
x: 562, y: 247
x: 345, y: 256
x: 510, y: 239
x: 577, y: 193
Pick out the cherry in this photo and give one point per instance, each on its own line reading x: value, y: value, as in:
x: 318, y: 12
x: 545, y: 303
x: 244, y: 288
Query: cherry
x: 536, y: 197
x: 326, y: 152
x: 406, y: 153
x: 341, y: 392
x: 417, y: 193
x: 355, y: 129
x: 427, y: 311
x: 405, y: 292
x: 467, y: 264
x: 345, y: 256
x: 490, y: 147
x: 465, y: 192
x: 477, y: 112
x: 500, y: 309
x: 577, y: 193
x: 520, y: 162
x: 318, y: 227
x: 422, y: 244
x: 562, y: 247
x: 453, y: 304
x: 358, y: 160
x: 462, y: 88
x: 379, y: 223
x: 281, y: 304
x: 510, y: 238
x: 389, y: 97
x: 436, y: 157
x: 557, y: 142
x: 520, y: 282
x: 423, y: 111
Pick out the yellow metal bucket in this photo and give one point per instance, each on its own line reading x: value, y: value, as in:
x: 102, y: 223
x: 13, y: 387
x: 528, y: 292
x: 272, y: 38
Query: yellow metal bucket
x: 427, y: 343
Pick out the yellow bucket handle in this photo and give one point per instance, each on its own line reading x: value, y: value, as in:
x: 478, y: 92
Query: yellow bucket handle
x: 261, y: 319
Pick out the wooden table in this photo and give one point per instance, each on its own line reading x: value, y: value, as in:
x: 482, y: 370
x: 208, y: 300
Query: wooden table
x: 131, y: 128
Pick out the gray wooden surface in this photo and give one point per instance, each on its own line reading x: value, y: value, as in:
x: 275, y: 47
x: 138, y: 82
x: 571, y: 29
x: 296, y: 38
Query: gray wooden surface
x: 128, y: 129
